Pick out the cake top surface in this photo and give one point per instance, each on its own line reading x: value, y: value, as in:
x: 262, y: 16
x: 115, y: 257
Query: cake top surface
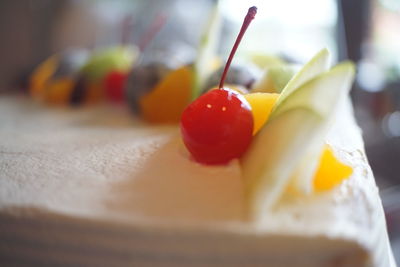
x: 102, y: 163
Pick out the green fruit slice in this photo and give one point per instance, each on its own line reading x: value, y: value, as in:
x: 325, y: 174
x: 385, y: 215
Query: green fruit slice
x: 314, y: 96
x: 118, y: 58
x: 275, y: 78
x: 265, y: 60
x: 206, y: 51
x: 318, y: 100
x: 297, y: 130
x: 317, y: 65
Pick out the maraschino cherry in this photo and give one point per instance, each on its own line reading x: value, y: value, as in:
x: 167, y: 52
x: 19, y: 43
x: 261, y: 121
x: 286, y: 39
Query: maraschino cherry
x: 114, y: 81
x: 217, y: 127
x: 114, y: 84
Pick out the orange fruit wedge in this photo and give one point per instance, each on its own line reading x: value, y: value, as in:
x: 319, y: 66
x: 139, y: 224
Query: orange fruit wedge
x: 261, y: 106
x: 41, y: 76
x: 59, y: 91
x: 330, y: 172
x: 166, y: 102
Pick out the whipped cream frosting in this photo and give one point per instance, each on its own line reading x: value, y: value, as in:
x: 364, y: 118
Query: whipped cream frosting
x: 102, y: 164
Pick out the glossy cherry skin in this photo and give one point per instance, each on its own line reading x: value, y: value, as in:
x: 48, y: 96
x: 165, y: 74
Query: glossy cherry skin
x: 114, y: 84
x: 217, y: 127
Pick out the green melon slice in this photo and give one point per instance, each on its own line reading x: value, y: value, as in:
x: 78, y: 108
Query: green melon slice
x: 275, y: 78
x: 296, y: 130
x: 206, y: 51
x: 317, y: 65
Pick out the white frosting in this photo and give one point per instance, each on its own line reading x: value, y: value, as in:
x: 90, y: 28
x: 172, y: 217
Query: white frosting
x: 84, y: 162
x: 90, y: 163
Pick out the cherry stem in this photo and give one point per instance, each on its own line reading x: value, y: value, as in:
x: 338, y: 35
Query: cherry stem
x: 249, y: 17
x: 127, y: 25
x: 152, y: 31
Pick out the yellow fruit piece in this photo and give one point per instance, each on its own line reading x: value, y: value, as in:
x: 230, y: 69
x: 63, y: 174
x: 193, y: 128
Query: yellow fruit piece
x: 94, y: 93
x: 261, y: 106
x: 331, y: 172
x: 41, y: 76
x: 59, y: 91
x: 166, y: 102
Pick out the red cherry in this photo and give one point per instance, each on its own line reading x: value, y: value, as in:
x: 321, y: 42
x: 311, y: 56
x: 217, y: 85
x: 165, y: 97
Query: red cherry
x: 114, y: 83
x: 217, y: 127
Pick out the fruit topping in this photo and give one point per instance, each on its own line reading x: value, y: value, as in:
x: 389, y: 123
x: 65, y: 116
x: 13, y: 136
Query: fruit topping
x: 288, y: 147
x: 330, y: 172
x: 217, y: 127
x: 90, y: 86
x: 41, y: 75
x: 118, y: 58
x: 58, y: 92
x: 54, y: 79
x: 249, y: 17
x: 263, y: 60
x: 317, y: 65
x: 275, y: 78
x: 206, y: 62
x: 157, y: 107
x: 142, y: 80
x: 244, y: 75
x: 114, y: 80
x: 62, y: 82
x: 261, y: 106
x: 167, y: 79
x: 114, y: 84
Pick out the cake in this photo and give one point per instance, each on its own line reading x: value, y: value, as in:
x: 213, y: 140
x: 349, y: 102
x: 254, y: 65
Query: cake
x: 248, y: 179
x: 96, y: 187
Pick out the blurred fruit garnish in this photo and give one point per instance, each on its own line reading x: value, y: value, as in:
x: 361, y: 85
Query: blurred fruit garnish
x: 164, y: 104
x: 330, y: 172
x: 114, y: 84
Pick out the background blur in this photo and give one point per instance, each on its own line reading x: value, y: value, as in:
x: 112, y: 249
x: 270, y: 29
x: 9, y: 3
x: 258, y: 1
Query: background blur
x: 365, y: 31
